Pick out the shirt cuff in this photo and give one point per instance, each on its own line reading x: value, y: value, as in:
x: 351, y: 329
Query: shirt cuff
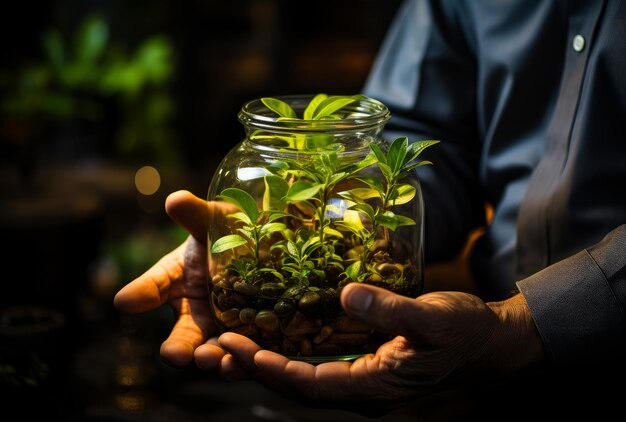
x: 577, y: 314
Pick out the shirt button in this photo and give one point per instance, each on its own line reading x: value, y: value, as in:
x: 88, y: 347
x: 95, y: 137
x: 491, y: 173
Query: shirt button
x: 578, y: 43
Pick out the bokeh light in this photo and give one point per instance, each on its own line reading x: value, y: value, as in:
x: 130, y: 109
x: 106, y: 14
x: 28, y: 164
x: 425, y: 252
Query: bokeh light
x: 147, y: 180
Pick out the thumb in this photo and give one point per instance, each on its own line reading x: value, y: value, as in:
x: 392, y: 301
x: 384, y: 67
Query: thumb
x: 383, y: 310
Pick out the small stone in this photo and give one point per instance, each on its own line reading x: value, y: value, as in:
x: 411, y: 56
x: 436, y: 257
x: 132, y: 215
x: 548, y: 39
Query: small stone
x: 284, y: 307
x: 310, y: 302
x: 380, y: 245
x: 243, y: 301
x: 268, y: 321
x: 295, y: 293
x: 246, y: 289
x: 324, y: 333
x: 354, y: 253
x: 226, y: 300
x: 272, y: 290
x: 387, y: 270
x: 247, y: 315
x: 225, y: 284
x: 230, y: 318
x: 299, y: 324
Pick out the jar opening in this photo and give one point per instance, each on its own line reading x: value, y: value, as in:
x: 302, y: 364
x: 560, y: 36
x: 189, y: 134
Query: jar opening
x: 362, y: 115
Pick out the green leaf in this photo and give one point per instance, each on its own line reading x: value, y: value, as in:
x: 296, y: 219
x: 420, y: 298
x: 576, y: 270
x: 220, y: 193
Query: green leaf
x: 319, y: 140
x: 91, y: 39
x: 405, y: 221
x: 54, y: 48
x: 366, y: 209
x: 328, y: 231
x: 397, y: 152
x: 270, y: 228
x: 301, y: 191
x: 241, y: 199
x: 417, y: 147
x: 310, y: 108
x: 387, y: 219
x: 275, y: 190
x: 403, y: 194
x: 336, y: 178
x: 225, y: 243
x: 373, y: 182
x: 330, y: 105
x: 380, y: 155
x: 365, y: 162
x: 365, y: 193
x: 274, y: 215
x: 292, y: 249
x: 393, y: 221
x: 418, y: 164
x: 279, y: 107
x: 240, y: 216
x: 354, y: 270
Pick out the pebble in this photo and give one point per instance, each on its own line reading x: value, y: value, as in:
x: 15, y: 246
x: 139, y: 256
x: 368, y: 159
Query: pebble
x: 299, y: 324
x: 324, y: 333
x: 284, y: 308
x: 247, y: 315
x: 310, y: 302
x: 246, y: 289
x: 267, y: 321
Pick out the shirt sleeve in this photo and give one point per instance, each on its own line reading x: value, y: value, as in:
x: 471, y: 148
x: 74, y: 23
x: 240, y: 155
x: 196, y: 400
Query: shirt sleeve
x: 425, y: 73
x: 578, y: 304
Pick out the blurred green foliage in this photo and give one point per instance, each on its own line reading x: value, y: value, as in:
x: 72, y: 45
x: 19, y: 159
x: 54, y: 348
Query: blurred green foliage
x: 141, y: 249
x: 79, y: 77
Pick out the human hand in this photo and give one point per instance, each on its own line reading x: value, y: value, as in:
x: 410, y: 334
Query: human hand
x: 179, y: 280
x: 443, y: 339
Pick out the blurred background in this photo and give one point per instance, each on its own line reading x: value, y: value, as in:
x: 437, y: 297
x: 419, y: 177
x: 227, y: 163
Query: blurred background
x: 106, y: 108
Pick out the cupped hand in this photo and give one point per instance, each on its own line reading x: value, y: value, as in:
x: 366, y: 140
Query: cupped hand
x: 442, y: 339
x: 179, y: 280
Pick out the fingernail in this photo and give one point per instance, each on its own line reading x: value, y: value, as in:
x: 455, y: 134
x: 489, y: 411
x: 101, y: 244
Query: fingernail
x: 359, y: 300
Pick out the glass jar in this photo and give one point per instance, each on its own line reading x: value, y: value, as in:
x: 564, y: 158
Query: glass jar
x: 309, y: 215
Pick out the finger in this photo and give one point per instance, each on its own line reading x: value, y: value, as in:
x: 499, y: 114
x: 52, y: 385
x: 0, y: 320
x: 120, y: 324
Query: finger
x: 241, y: 348
x: 209, y: 355
x: 192, y: 327
x: 301, y: 379
x: 151, y: 289
x: 384, y: 310
x: 190, y: 212
x: 230, y: 370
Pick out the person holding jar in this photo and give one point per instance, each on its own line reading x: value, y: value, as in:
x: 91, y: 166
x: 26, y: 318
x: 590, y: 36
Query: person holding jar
x: 527, y: 99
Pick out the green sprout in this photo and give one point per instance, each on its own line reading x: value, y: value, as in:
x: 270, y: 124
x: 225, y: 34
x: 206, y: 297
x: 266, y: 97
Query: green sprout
x: 322, y: 107
x: 255, y: 225
x: 395, y: 166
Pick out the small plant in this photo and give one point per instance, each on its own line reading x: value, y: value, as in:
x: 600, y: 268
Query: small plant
x: 324, y: 219
x: 395, y: 165
x: 255, y: 226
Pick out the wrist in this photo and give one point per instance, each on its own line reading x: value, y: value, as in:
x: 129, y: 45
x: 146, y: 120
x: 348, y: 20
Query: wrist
x: 516, y: 339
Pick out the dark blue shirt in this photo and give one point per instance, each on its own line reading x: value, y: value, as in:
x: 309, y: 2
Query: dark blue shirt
x: 529, y: 100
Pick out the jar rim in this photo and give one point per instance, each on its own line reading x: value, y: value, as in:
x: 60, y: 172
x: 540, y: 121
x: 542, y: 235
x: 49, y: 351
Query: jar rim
x: 366, y: 113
